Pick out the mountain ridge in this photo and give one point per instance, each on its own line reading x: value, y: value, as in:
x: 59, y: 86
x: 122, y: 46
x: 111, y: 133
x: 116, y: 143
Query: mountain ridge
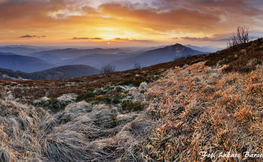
x: 60, y: 72
x: 156, y: 56
x: 23, y: 63
x: 57, y: 56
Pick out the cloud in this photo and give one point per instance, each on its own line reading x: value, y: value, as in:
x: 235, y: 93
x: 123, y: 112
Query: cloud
x: 175, y: 19
x: 165, y: 15
x: 83, y: 38
x: 146, y: 21
x: 31, y: 36
x: 27, y: 36
x: 210, y: 39
x: 223, y: 37
x: 133, y: 40
x: 125, y: 39
x: 220, y: 7
x: 188, y: 15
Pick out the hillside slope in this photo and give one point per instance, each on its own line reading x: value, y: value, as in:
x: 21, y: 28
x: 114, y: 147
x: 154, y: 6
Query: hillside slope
x: 68, y: 71
x: 166, y: 112
x: 204, y: 109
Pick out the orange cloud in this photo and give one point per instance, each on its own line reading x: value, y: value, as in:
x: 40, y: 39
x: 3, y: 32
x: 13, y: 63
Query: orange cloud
x: 181, y: 19
x: 85, y: 38
x: 136, y: 21
x: 133, y: 40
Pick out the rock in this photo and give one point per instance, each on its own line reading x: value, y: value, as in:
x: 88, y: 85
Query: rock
x: 258, y: 66
x: 83, y: 105
x: 215, y: 76
x: 67, y: 97
x: 211, y: 70
x: 143, y: 86
x: 41, y: 100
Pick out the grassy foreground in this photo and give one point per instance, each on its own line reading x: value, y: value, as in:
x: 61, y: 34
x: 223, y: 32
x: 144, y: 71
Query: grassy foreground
x: 194, y: 109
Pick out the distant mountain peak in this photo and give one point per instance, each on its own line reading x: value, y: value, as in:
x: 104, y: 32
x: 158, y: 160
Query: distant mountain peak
x: 177, y: 45
x: 156, y: 56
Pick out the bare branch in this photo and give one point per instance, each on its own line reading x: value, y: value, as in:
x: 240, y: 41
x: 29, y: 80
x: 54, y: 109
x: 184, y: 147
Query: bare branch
x: 137, y: 65
x: 240, y: 37
x: 108, y: 68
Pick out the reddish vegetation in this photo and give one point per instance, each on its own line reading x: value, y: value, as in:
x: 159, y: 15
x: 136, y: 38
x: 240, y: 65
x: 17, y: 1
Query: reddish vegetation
x: 243, y: 58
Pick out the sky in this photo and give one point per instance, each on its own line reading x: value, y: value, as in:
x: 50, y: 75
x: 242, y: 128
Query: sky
x: 106, y: 23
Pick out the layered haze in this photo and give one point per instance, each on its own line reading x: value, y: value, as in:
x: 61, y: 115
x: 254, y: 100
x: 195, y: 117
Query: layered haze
x: 72, y: 62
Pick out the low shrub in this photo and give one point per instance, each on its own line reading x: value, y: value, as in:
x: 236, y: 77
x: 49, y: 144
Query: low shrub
x: 132, y: 106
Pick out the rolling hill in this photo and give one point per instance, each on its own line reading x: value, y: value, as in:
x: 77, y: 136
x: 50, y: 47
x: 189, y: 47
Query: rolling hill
x: 97, y: 60
x: 23, y: 63
x: 68, y: 71
x: 21, y: 50
x: 63, y: 55
x: 123, y: 59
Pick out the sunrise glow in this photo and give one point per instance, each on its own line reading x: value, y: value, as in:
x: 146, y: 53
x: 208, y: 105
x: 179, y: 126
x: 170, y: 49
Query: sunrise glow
x: 144, y: 23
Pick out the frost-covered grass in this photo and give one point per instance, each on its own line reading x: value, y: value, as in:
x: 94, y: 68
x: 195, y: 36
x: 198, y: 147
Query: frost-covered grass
x: 79, y: 132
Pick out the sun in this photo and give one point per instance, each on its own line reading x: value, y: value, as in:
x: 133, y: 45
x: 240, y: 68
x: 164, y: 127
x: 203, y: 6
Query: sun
x: 108, y: 43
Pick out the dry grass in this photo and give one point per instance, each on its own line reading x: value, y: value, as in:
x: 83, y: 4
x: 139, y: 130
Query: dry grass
x: 203, y: 109
x: 81, y: 132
